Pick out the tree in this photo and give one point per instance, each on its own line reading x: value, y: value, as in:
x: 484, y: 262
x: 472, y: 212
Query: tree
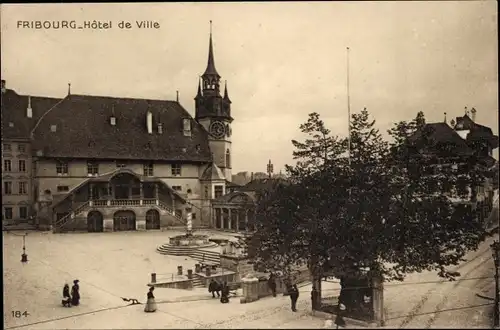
x: 383, y: 211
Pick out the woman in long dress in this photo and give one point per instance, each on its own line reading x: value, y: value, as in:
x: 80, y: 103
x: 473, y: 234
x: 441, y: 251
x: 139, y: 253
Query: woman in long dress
x: 75, y: 293
x: 151, y: 303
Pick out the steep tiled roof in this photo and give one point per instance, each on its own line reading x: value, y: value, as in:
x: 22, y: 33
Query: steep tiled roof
x: 212, y: 172
x: 434, y: 134
x: 237, y: 197
x: 15, y: 121
x: 83, y: 129
x: 260, y: 184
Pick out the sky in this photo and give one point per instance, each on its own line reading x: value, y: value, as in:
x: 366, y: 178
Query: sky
x: 281, y: 61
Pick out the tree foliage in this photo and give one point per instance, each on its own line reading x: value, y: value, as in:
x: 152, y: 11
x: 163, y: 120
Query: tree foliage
x: 389, y: 208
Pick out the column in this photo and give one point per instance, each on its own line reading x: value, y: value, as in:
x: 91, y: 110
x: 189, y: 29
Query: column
x: 109, y: 194
x: 246, y: 220
x: 141, y: 193
x: 237, y: 219
x: 91, y: 192
x: 157, y: 195
x: 221, y: 218
x: 229, y: 219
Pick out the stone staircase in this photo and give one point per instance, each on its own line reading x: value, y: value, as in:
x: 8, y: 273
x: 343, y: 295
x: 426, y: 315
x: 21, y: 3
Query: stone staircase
x: 211, y: 257
x: 180, y: 250
x: 58, y: 226
x: 197, y: 282
x: 208, y: 256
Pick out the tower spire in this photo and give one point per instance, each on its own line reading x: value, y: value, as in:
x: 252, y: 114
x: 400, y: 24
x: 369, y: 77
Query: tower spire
x: 198, y: 94
x: 211, y: 61
x: 226, y: 95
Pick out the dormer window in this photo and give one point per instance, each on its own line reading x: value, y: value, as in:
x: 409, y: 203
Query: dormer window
x: 112, y: 121
x: 186, y: 127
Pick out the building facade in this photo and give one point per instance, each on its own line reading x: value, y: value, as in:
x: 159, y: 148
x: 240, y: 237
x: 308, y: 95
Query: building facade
x: 462, y: 146
x: 19, y: 112
x: 110, y: 164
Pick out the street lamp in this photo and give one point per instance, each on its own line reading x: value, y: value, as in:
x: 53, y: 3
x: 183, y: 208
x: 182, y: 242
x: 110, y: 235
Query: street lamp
x: 24, y: 256
x: 495, y: 249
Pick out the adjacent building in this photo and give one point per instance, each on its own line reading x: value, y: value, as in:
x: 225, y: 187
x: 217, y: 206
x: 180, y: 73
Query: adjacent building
x: 463, y: 145
x: 19, y: 113
x: 101, y: 163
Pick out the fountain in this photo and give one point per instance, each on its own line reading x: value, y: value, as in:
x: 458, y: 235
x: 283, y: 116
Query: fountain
x: 186, y: 244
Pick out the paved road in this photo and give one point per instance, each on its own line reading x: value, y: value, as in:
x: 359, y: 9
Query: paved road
x: 456, y: 304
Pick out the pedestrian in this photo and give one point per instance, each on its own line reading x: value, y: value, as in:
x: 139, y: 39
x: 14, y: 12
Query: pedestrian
x: 272, y: 284
x: 75, y: 293
x: 294, y: 295
x: 224, y: 299
x: 214, y: 287
x: 151, y: 303
x: 314, y: 298
x: 66, y: 301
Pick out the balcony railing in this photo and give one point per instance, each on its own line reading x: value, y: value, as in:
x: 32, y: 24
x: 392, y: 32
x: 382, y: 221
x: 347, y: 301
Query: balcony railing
x: 123, y: 202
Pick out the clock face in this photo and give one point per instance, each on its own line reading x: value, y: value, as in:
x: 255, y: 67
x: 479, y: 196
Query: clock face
x: 217, y: 129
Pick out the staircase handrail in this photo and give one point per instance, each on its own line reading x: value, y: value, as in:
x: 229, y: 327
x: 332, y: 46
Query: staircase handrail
x: 61, y: 222
x: 171, y: 211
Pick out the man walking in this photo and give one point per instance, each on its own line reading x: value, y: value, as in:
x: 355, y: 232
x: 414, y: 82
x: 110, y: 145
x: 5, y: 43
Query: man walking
x: 272, y: 284
x: 294, y: 295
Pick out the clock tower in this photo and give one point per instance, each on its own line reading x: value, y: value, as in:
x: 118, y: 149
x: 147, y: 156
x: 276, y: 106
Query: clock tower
x: 213, y: 111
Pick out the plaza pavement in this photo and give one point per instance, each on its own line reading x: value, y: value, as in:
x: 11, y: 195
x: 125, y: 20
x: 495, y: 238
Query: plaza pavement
x: 114, y: 265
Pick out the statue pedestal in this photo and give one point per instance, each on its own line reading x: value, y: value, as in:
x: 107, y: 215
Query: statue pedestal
x: 250, y: 285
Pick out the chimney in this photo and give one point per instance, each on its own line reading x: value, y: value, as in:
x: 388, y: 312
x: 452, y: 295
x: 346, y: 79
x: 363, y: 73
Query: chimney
x: 186, y: 126
x: 445, y: 118
x: 473, y: 114
x: 160, y: 128
x: 3, y: 86
x: 29, y: 110
x: 149, y: 122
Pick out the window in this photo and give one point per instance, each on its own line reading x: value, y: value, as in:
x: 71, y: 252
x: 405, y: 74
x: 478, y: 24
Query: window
x: 193, y: 216
x: 176, y: 169
x: 92, y: 168
x: 148, y: 169
x: 62, y: 188
x: 22, y: 165
x: 219, y: 191
x: 228, y: 158
x: 8, y: 213
x: 7, y: 165
x: 206, y: 192
x: 7, y: 188
x: 21, y: 147
x: 7, y: 147
x: 178, y: 213
x: 23, y: 187
x: 62, y: 167
x: 177, y: 188
x: 120, y: 164
x: 23, y: 212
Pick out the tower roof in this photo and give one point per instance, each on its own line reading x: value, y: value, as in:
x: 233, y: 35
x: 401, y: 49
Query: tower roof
x: 211, y: 62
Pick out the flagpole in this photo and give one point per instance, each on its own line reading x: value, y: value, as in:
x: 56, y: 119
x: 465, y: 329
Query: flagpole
x: 348, y: 113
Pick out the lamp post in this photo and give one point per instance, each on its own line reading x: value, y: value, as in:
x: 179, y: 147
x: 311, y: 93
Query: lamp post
x: 495, y: 249
x: 24, y: 256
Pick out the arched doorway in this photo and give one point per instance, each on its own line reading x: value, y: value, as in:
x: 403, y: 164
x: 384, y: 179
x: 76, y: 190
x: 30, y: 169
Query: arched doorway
x: 95, y: 222
x: 152, y: 219
x: 124, y: 220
